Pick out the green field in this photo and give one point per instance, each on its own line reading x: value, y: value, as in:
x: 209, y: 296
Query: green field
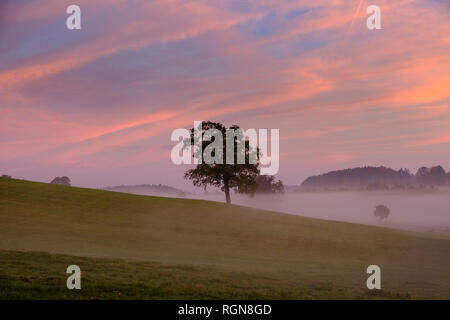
x: 131, y: 246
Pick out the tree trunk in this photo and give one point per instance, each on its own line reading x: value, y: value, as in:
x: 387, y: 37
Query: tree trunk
x: 227, y: 190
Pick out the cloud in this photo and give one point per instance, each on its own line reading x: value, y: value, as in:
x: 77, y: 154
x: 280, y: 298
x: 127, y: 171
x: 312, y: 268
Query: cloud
x: 110, y: 94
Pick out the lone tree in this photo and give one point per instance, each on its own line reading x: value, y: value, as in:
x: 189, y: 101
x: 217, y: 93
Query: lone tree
x: 65, y: 181
x: 381, y: 212
x: 241, y: 177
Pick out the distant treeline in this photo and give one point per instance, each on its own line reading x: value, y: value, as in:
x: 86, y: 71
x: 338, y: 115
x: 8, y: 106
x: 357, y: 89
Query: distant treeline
x: 376, y: 178
x: 147, y: 189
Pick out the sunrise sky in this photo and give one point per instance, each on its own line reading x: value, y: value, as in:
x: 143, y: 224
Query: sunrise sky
x: 99, y: 104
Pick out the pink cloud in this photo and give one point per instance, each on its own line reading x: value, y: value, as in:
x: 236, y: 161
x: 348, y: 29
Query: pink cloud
x: 357, y: 95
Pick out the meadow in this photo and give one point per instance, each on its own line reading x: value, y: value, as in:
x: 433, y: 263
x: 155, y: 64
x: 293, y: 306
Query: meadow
x: 142, y: 247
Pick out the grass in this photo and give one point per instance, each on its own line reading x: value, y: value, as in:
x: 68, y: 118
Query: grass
x: 37, y: 275
x: 139, y: 247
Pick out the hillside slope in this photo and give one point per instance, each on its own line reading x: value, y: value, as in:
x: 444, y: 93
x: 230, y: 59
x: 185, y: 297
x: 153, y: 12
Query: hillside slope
x: 101, y: 224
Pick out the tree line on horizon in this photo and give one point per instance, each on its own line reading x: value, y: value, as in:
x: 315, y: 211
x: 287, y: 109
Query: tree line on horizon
x: 376, y: 178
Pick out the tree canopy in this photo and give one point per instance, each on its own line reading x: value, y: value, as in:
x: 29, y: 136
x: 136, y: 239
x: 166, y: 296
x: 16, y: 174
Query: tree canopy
x: 240, y: 177
x: 61, y: 180
x: 382, y: 212
x: 267, y: 184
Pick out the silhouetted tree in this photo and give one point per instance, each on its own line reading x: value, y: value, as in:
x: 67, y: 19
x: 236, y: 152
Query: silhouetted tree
x: 267, y: 184
x: 435, y: 176
x: 381, y: 212
x: 6, y: 176
x: 65, y: 181
x: 239, y: 177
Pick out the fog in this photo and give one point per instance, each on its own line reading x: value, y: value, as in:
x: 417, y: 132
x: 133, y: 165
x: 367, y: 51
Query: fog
x: 411, y: 211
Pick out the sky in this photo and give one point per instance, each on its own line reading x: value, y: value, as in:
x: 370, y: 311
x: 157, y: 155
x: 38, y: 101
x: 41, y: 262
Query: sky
x: 99, y: 104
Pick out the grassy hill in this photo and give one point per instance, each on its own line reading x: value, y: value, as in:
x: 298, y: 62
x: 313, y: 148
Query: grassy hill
x: 131, y: 246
